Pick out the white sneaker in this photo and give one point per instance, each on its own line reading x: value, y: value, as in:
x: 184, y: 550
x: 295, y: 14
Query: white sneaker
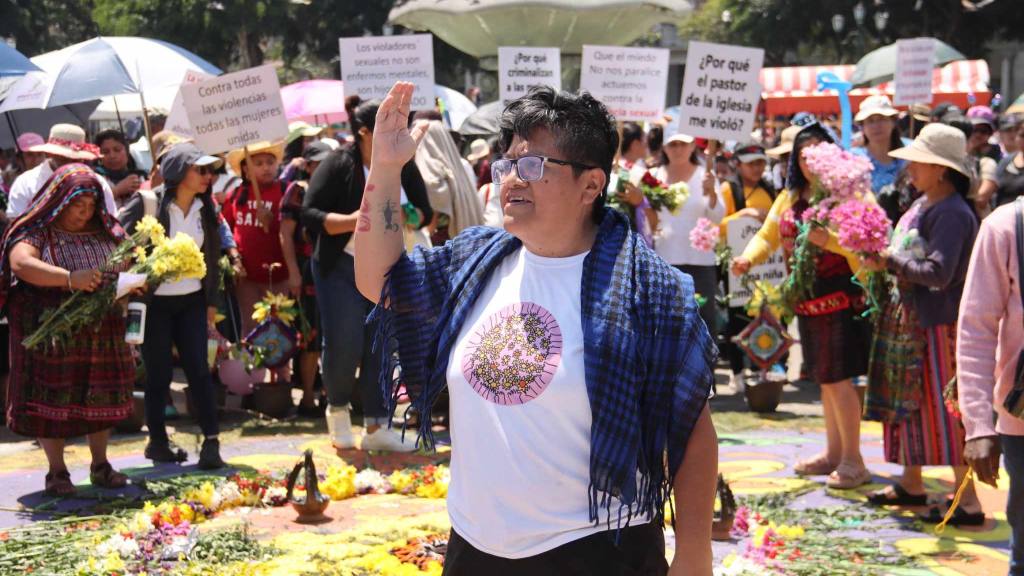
x: 339, y: 427
x: 390, y: 440
x: 738, y: 382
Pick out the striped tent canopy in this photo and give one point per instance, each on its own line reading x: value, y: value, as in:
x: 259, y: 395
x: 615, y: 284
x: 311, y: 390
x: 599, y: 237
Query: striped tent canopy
x: 793, y: 89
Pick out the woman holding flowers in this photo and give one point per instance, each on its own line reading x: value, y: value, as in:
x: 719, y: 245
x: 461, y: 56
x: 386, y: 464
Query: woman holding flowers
x: 834, y: 340
x: 681, y: 168
x: 181, y: 314
x: 748, y: 195
x: 913, y: 355
x: 85, y: 386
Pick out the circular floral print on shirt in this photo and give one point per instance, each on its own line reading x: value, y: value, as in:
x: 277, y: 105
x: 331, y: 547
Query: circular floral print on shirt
x: 512, y: 356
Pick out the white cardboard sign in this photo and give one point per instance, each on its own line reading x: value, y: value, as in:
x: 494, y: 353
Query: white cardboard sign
x: 631, y: 82
x: 370, y: 66
x: 915, y: 60
x: 235, y: 110
x: 177, y: 118
x: 521, y: 68
x: 773, y: 270
x: 721, y: 91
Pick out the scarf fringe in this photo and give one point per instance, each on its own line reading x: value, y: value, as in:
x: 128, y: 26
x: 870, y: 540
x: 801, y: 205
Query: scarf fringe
x: 386, y: 341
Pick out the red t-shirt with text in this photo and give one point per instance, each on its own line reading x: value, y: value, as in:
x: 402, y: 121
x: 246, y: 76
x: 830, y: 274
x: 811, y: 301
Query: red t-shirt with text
x: 259, y: 248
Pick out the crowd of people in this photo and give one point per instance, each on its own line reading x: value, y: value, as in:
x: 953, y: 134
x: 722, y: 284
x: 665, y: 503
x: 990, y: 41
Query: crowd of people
x: 409, y: 212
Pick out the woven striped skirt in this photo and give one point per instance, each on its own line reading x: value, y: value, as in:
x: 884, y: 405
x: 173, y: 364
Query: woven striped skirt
x: 931, y: 435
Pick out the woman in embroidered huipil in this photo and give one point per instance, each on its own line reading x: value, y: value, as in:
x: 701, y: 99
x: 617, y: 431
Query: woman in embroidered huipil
x: 85, y: 387
x: 833, y: 338
x: 913, y: 354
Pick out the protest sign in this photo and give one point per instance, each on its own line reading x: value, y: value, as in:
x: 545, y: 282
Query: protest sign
x: 629, y: 81
x: 773, y: 270
x: 721, y: 91
x: 177, y: 118
x: 915, y: 60
x: 234, y: 110
x: 370, y: 66
x: 523, y: 67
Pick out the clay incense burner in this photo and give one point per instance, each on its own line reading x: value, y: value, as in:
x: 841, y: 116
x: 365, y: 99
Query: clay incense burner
x: 311, y: 507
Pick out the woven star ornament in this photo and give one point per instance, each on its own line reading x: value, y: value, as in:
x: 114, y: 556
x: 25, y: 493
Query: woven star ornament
x: 765, y: 339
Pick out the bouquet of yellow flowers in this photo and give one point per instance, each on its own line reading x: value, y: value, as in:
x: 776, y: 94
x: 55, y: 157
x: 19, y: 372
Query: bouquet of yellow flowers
x: 147, y: 251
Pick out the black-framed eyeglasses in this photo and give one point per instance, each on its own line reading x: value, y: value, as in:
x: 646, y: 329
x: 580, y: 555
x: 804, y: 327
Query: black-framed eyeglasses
x: 529, y: 168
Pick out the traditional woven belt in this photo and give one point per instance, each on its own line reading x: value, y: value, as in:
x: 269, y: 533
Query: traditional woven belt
x: 827, y: 304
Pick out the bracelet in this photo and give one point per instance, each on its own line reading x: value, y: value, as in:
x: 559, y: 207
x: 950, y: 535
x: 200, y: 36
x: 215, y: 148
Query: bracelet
x: 70, y: 289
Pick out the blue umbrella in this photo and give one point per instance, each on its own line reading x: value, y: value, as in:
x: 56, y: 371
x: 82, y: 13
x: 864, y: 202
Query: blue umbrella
x: 107, y: 66
x: 14, y: 63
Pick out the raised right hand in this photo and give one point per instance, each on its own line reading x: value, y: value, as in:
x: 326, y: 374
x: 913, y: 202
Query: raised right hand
x: 394, y: 144
x: 740, y: 266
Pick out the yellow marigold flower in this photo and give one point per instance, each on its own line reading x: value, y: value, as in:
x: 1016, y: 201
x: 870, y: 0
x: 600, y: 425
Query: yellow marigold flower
x: 151, y: 228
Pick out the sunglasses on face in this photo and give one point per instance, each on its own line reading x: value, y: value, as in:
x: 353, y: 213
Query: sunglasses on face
x: 204, y: 170
x: 528, y: 168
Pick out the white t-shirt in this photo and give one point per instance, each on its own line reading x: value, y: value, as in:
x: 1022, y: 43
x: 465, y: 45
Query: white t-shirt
x: 26, y: 186
x: 520, y: 413
x: 190, y: 224
x: 673, y: 240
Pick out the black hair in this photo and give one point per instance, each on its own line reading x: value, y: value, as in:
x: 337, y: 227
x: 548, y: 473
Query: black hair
x: 895, y: 137
x: 631, y: 132
x: 696, y: 158
x: 115, y: 134
x: 796, y: 180
x: 964, y: 186
x: 655, y: 139
x: 961, y: 123
x: 428, y: 115
x: 361, y: 113
x: 294, y: 149
x: 583, y: 129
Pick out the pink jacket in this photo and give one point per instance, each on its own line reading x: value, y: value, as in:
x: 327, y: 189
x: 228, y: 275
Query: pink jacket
x: 991, y: 328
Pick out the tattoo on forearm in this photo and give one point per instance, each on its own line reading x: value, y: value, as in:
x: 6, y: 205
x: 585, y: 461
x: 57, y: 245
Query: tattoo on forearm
x: 390, y: 216
x: 363, y: 224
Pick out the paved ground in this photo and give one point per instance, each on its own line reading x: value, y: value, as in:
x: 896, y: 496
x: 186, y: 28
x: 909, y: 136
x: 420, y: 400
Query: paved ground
x: 757, y: 453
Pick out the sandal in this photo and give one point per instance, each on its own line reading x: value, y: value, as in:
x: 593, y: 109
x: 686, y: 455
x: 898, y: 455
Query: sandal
x: 104, y: 476
x: 818, y: 466
x: 898, y: 497
x: 846, y: 477
x: 59, y: 484
x: 960, y: 517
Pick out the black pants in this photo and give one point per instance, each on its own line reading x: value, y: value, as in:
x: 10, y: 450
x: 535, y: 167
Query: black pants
x: 738, y: 320
x: 179, y: 321
x: 641, y: 552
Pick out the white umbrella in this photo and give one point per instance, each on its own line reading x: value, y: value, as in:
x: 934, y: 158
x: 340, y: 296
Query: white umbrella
x: 459, y: 107
x: 107, y: 66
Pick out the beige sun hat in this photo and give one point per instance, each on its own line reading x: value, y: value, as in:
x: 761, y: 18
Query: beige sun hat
x: 937, y: 144
x: 68, y: 141
x: 785, y: 143
x: 877, y: 104
x: 478, y: 149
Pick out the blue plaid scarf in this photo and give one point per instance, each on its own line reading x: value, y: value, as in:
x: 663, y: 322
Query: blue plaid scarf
x: 649, y: 358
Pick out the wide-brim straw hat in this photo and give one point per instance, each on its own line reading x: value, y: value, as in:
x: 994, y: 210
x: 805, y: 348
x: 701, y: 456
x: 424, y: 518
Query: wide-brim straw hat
x: 785, y: 143
x: 68, y: 141
x: 235, y: 157
x: 478, y: 149
x: 937, y: 144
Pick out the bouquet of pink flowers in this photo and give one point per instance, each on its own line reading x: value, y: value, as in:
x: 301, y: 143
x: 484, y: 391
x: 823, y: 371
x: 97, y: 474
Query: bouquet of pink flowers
x: 840, y: 203
x: 862, y: 227
x: 704, y: 236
